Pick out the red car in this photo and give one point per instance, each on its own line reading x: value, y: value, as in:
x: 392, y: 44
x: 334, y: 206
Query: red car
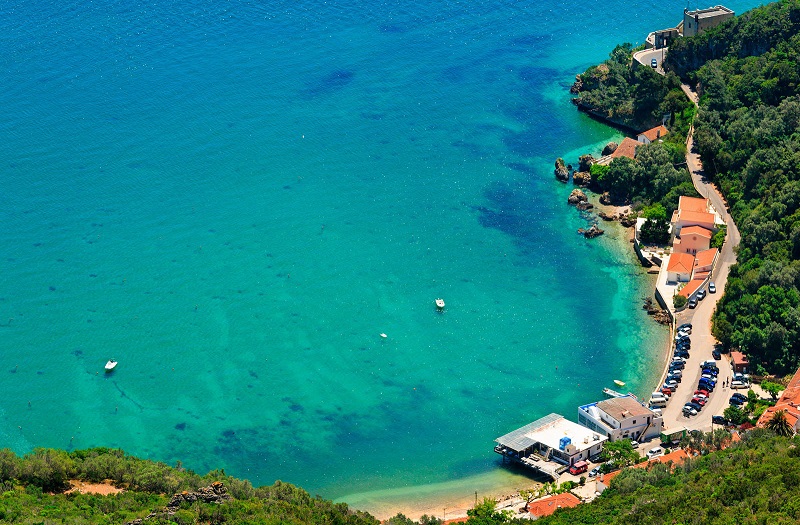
x: 704, y: 392
x: 667, y: 391
x: 699, y: 401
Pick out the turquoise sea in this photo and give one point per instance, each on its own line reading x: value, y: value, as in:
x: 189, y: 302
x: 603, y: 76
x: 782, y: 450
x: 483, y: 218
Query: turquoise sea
x: 234, y: 199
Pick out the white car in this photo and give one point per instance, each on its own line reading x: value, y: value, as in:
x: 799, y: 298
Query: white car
x: 655, y: 452
x: 712, y: 288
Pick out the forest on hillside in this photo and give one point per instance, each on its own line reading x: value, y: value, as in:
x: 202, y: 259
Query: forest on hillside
x: 747, y: 133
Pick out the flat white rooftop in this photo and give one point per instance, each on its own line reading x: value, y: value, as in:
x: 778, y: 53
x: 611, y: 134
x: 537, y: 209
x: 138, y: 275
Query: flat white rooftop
x: 548, y: 431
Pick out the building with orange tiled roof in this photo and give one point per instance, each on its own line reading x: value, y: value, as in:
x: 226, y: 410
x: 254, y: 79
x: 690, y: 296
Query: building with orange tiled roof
x: 652, y: 135
x: 704, y: 261
x: 547, y: 506
x: 691, y: 287
x: 789, y: 402
x: 626, y: 148
x: 693, y: 239
x: 680, y: 267
x: 694, y: 204
x: 740, y: 361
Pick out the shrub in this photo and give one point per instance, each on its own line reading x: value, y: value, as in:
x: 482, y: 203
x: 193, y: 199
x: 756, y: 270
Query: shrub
x: 679, y: 301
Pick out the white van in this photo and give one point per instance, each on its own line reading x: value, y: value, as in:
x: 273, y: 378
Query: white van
x: 656, y: 411
x: 739, y: 384
x: 655, y: 452
x: 659, y: 394
x: 658, y: 402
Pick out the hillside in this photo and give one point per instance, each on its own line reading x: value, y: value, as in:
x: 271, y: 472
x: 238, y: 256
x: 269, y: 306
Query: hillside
x: 747, y: 137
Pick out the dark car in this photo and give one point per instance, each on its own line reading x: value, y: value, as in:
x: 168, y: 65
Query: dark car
x: 695, y: 406
x: 679, y: 365
x: 701, y: 295
x: 673, y: 378
x: 692, y: 303
x: 710, y: 371
x: 685, y: 325
x: 702, y: 385
x: 739, y: 395
x: 682, y: 353
x: 716, y: 355
x: 736, y: 401
x: 719, y: 420
x: 654, y: 63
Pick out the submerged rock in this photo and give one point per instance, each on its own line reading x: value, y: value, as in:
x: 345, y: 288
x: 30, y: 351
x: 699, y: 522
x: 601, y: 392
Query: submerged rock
x: 561, y: 171
x: 577, y: 196
x: 592, y: 232
x: 577, y: 85
x: 585, y: 205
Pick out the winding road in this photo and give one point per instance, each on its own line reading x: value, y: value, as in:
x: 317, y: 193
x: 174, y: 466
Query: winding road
x: 702, y: 340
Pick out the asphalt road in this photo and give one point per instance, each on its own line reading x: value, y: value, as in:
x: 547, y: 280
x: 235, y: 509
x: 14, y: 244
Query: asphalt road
x: 644, y: 57
x: 702, y: 340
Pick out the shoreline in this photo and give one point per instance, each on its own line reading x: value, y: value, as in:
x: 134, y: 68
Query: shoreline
x: 416, y: 501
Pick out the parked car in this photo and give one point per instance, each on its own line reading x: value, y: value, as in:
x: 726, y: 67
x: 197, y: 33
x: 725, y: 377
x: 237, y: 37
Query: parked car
x: 680, y: 365
x: 719, y: 420
x: 738, y: 384
x: 594, y: 472
x: 701, y: 295
x: 682, y: 353
x: 695, y: 406
x: 735, y: 401
x: 711, y: 371
x: 676, y: 373
x: 716, y: 355
x: 701, y: 392
x: 699, y: 401
x: 653, y: 63
x: 689, y: 410
x: 685, y: 325
x: 693, y: 303
x: 712, y: 288
x: 634, y: 443
x: 673, y: 377
x: 744, y: 378
x: 579, y: 468
x: 655, y: 452
x: 708, y: 362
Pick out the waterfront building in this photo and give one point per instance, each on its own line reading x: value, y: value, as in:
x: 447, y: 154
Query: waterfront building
x: 621, y: 418
x: 680, y: 267
x: 697, y: 21
x: 550, y: 444
x: 626, y: 148
x: 693, y: 239
x: 652, y: 135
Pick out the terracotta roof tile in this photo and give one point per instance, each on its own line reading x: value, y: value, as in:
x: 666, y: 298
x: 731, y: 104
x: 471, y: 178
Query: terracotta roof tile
x: 681, y: 262
x: 705, y: 258
x: 696, y: 230
x: 693, y: 204
x: 690, y: 287
x: 696, y: 216
x: 547, y: 506
x: 626, y: 148
x: 655, y: 133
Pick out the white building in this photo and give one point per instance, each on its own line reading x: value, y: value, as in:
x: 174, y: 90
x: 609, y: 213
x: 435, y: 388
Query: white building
x: 621, y: 418
x: 550, y: 439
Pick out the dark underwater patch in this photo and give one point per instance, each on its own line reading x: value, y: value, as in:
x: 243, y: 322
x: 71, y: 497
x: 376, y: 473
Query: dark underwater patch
x: 333, y: 81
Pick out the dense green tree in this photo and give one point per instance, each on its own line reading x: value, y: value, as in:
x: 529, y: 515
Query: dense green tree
x: 773, y: 389
x: 779, y: 424
x: 486, y: 513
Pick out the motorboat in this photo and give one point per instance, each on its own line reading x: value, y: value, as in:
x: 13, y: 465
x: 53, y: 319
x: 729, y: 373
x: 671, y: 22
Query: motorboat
x: 111, y: 365
x: 440, y: 304
x: 619, y: 383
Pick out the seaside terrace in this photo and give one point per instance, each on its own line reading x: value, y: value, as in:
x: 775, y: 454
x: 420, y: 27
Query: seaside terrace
x: 550, y: 445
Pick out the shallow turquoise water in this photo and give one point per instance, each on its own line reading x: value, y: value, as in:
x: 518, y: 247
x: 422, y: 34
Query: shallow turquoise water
x: 235, y: 200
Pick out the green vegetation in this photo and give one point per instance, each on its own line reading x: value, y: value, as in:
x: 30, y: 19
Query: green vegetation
x: 679, y: 301
x: 655, y: 229
x: 635, y: 97
x: 754, y: 481
x: 748, y: 73
x: 26, y: 484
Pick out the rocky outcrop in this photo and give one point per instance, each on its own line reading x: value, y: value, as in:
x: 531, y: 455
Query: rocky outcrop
x: 610, y: 148
x: 215, y: 493
x: 582, y: 178
x: 605, y: 198
x: 658, y: 314
x: 561, y: 171
x: 577, y: 196
x: 628, y: 220
x: 606, y: 217
x: 577, y: 85
x: 583, y: 206
x: 585, y: 162
x: 592, y: 232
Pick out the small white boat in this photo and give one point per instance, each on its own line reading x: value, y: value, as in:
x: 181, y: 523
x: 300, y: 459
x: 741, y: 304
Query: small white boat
x: 384, y: 336
x: 111, y: 365
x: 439, y: 304
x: 619, y: 383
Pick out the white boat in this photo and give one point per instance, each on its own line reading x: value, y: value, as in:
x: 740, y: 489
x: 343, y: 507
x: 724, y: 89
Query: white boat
x: 384, y: 336
x: 612, y: 393
x: 111, y: 365
x: 439, y: 303
x: 619, y: 383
